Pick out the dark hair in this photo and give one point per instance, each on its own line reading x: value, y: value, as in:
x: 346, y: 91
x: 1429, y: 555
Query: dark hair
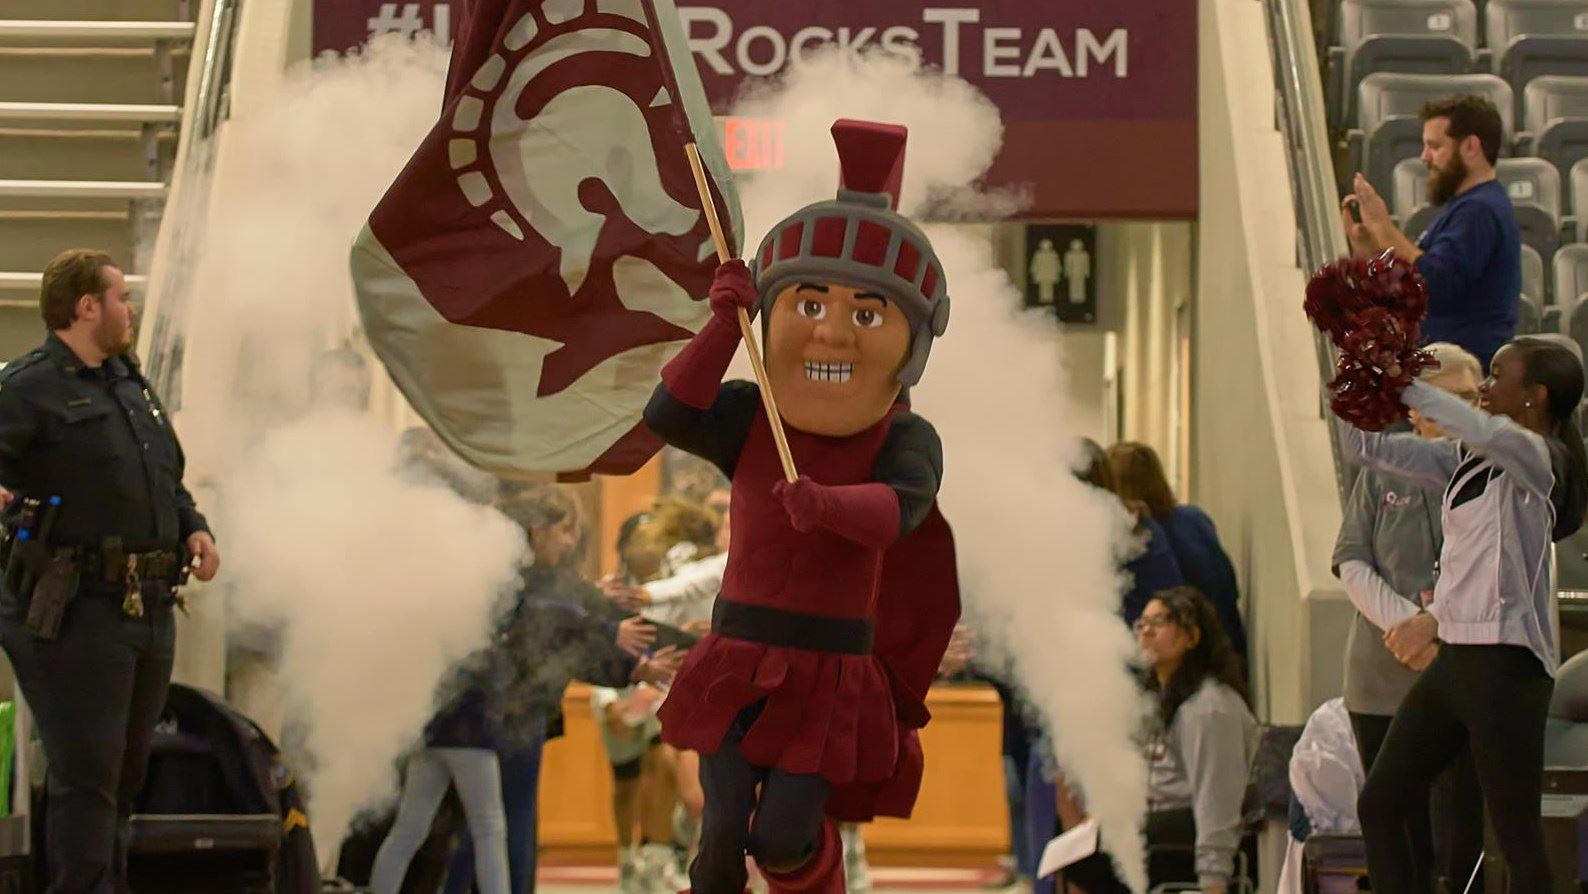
x: 68, y: 277
x: 1212, y: 656
x: 1139, y: 477
x: 1554, y: 366
x: 1469, y: 116
x: 1094, y: 468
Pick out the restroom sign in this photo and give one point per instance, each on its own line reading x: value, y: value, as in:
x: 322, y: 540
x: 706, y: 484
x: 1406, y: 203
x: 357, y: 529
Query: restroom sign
x: 1061, y: 270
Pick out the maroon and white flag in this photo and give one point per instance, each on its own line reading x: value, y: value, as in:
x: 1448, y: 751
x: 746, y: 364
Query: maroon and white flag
x: 544, y: 252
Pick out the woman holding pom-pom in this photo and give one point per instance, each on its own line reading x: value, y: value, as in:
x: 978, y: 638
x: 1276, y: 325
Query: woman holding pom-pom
x: 1515, y: 477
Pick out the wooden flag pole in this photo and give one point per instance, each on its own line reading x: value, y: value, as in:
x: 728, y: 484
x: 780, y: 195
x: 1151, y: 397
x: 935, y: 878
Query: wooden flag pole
x: 745, y: 329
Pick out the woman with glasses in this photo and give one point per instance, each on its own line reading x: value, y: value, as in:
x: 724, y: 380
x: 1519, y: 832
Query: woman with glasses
x: 1199, y: 739
x: 1387, y: 555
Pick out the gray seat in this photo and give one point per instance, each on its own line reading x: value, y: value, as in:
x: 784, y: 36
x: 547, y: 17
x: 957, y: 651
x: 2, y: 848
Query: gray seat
x: 1533, y: 282
x: 1410, y: 36
x: 1534, y: 187
x: 1577, y: 324
x: 1579, y: 197
x: 1388, y: 129
x: 1566, y: 731
x: 1570, y: 273
x: 1529, y: 315
x: 1555, y: 120
x: 1530, y: 38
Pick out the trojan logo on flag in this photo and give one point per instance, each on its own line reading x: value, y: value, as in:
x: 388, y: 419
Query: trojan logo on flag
x: 541, y: 256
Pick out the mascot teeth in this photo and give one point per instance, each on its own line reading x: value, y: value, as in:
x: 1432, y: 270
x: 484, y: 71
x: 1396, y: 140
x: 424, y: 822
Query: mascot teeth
x: 829, y: 372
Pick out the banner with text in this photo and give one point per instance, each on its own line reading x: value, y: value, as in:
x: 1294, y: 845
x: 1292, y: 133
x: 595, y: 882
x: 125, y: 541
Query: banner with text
x: 1099, y: 97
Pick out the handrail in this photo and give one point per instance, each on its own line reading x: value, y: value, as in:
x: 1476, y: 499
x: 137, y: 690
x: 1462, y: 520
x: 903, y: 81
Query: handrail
x: 1299, y: 89
x: 216, y: 70
x: 184, y: 219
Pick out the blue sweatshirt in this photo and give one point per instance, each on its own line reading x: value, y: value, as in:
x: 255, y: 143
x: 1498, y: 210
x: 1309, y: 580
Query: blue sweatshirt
x: 1472, y: 262
x: 1155, y: 569
x: 1207, y: 567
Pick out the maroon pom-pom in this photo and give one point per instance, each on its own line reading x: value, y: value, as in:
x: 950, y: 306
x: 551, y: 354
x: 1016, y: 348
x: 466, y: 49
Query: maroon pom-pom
x: 1371, y: 308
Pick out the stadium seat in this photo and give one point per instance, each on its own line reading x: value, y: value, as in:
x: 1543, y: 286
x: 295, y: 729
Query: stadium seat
x: 1533, y: 281
x: 1571, y: 274
x: 1555, y: 121
x: 1388, y: 129
x: 1529, y: 316
x: 1534, y: 187
x: 1530, y: 38
x: 1411, y: 36
x: 1579, y: 197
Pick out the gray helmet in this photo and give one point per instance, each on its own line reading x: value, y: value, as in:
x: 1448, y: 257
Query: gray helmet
x: 861, y: 241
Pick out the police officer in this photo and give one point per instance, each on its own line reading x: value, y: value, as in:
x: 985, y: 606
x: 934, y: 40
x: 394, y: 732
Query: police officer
x: 99, y: 531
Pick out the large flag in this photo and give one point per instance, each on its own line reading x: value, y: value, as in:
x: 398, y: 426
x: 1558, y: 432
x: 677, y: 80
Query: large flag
x: 544, y: 252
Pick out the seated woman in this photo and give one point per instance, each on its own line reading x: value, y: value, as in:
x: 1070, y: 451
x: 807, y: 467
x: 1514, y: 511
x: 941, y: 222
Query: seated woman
x: 1199, y: 739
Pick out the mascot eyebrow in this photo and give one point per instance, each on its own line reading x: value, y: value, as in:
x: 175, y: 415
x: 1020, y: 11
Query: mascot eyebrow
x: 813, y: 287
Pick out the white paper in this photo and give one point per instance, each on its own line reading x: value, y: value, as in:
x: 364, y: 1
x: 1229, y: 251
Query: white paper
x: 1073, y: 846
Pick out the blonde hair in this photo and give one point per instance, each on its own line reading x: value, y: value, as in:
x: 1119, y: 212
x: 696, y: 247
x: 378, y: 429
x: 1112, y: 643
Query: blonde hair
x: 1452, y: 358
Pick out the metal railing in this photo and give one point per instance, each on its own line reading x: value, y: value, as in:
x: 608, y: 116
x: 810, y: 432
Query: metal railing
x: 185, y: 221
x: 1298, y: 86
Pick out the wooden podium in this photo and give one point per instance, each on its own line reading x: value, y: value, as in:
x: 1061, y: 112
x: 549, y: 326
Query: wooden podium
x: 961, y: 818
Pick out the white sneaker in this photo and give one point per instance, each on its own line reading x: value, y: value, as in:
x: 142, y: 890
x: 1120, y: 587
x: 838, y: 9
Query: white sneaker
x: 658, y: 870
x: 630, y: 872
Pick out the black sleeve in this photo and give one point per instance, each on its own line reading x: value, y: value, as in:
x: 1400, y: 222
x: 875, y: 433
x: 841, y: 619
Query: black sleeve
x: 716, y: 435
x: 911, y: 462
x: 583, y: 641
x: 19, y: 426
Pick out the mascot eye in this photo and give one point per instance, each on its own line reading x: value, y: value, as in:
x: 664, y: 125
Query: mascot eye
x: 812, y: 309
x: 866, y: 318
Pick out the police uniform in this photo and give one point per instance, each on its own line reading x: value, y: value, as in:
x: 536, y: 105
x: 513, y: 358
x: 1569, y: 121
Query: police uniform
x: 98, y: 439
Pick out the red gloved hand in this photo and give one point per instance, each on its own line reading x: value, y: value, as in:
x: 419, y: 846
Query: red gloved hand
x: 732, y: 288
x: 804, y: 500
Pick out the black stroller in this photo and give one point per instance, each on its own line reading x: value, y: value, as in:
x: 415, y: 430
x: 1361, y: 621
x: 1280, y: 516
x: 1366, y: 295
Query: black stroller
x: 219, y: 813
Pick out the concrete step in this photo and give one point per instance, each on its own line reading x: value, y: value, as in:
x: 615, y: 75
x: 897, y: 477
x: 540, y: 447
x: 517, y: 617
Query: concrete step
x: 119, y: 10
x: 120, y: 75
x: 91, y: 113
x: 21, y: 328
x: 81, y: 32
x: 28, y: 240
x: 47, y: 154
x: 130, y: 190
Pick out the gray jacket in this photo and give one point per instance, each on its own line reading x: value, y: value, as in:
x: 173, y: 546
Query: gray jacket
x: 1393, y: 527
x: 1499, y: 514
x: 1203, y: 762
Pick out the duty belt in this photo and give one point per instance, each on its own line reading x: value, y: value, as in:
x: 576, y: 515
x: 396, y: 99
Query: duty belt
x: 113, y: 567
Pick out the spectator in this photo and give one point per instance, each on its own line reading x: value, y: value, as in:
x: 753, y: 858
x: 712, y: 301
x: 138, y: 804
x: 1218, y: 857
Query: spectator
x: 1514, y: 479
x: 554, y: 639
x: 1387, y: 555
x: 1471, y: 255
x: 1200, y: 742
x: 1138, y: 474
x: 1155, y: 568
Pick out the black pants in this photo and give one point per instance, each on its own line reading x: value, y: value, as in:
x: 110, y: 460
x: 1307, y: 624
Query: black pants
x: 787, y: 820
x: 1447, y: 838
x: 1171, y: 857
x: 96, y: 692
x: 1493, y: 700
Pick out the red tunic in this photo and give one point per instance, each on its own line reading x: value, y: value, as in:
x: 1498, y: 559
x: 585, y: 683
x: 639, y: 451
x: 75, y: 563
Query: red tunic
x: 850, y: 718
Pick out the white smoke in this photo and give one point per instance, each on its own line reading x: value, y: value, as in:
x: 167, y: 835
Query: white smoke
x: 371, y: 582
x: 1038, y: 550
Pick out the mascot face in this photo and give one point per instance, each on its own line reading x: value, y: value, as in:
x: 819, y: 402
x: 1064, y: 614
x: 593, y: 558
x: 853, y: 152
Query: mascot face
x: 833, y: 357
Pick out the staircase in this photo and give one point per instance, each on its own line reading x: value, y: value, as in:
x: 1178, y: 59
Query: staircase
x: 89, y: 117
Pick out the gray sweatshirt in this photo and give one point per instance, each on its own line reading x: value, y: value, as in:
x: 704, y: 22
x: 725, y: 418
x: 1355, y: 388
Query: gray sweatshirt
x: 1392, y: 528
x: 1494, y: 580
x: 1203, y: 762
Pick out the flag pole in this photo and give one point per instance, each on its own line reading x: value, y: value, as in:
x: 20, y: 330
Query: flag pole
x: 745, y: 330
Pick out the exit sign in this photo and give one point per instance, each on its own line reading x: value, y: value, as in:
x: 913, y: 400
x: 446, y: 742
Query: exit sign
x: 754, y: 144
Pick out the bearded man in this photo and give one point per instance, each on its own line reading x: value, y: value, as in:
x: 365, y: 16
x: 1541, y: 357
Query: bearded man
x: 1471, y: 255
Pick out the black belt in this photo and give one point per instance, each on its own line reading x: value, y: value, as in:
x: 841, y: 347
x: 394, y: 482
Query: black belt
x: 112, y: 565
x: 792, y: 630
